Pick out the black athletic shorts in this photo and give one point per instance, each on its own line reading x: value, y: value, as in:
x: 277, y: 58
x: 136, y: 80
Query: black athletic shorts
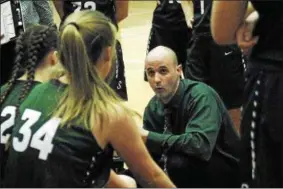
x: 221, y: 67
x: 262, y: 126
x: 177, y: 40
x: 118, y: 83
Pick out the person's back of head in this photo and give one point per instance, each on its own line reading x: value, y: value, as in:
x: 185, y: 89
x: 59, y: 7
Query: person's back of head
x: 32, y: 47
x: 86, y: 51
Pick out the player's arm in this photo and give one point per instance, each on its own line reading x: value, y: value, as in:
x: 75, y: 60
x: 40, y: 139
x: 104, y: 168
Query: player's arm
x: 120, y: 181
x: 59, y: 7
x: 188, y: 9
x: 122, y: 9
x: 122, y: 133
x: 226, y: 18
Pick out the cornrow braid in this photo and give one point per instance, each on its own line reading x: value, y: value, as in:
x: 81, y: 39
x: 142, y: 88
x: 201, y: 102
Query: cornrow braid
x: 16, y: 68
x: 33, y: 59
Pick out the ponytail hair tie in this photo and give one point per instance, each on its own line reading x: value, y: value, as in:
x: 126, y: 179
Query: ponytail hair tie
x: 74, y: 24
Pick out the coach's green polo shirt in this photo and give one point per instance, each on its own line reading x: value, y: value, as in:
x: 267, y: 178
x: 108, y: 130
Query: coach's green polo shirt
x: 200, y: 124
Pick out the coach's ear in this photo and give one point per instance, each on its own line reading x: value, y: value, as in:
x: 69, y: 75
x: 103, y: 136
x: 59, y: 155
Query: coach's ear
x: 179, y: 70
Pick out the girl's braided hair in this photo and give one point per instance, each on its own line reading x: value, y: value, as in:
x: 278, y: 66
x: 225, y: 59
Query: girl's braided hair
x: 31, y: 48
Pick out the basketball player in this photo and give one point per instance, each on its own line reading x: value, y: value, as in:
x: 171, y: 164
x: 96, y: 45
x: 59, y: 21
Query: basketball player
x: 217, y: 66
x: 169, y: 28
x: 67, y: 128
x: 261, y: 126
x: 116, y: 11
x: 34, y: 64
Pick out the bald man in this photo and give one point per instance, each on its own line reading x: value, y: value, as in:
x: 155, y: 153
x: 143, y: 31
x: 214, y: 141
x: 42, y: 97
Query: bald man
x: 187, y: 128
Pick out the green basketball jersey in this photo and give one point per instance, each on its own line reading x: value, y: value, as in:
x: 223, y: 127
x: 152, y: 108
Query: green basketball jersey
x: 14, y: 94
x: 45, y: 154
x: 8, y: 113
x: 8, y: 108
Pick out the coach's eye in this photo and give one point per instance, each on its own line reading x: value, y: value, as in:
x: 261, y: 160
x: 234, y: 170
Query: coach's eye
x: 163, y: 71
x: 150, y: 73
